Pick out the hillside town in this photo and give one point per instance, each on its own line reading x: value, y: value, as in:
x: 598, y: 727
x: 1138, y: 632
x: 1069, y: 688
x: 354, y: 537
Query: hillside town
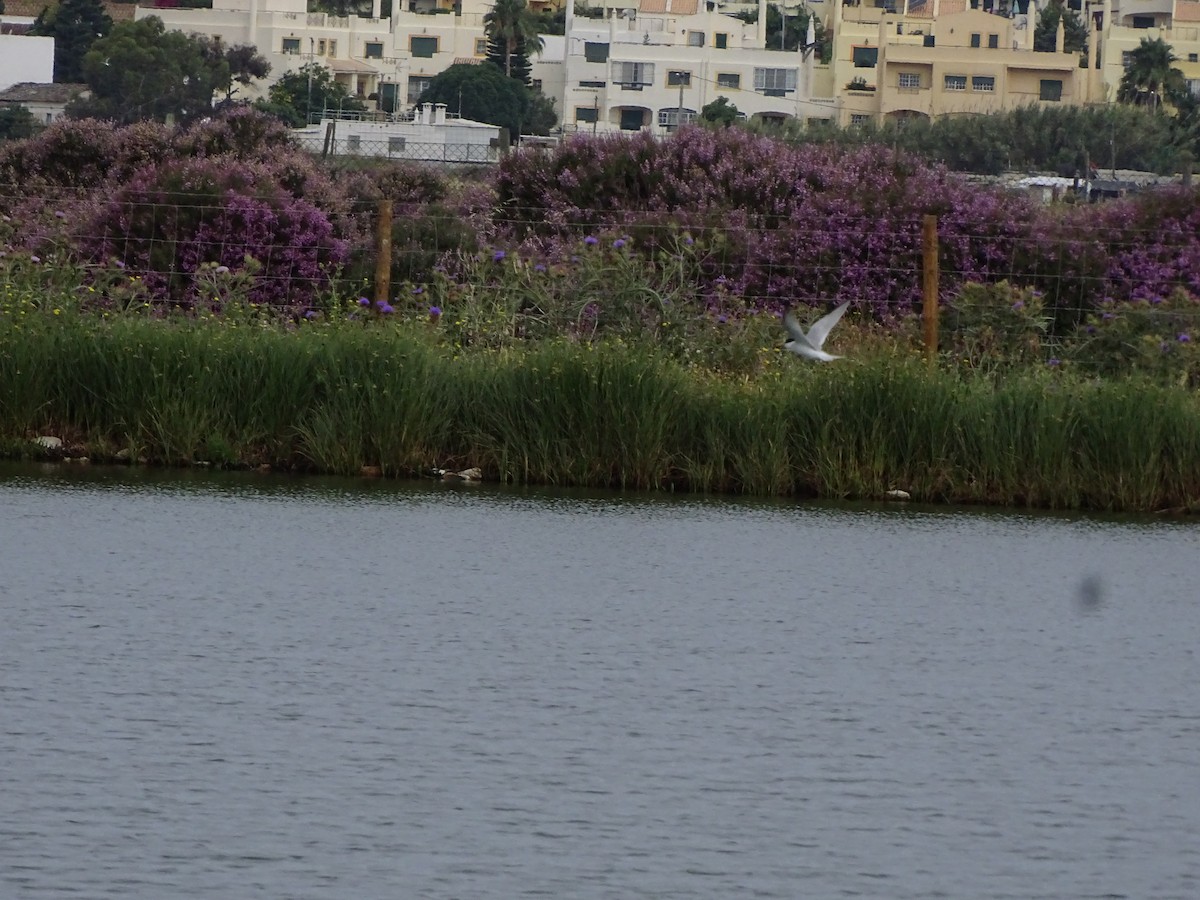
x: 650, y: 65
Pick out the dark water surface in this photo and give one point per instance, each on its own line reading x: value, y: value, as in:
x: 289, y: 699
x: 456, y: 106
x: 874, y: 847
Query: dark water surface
x: 230, y: 687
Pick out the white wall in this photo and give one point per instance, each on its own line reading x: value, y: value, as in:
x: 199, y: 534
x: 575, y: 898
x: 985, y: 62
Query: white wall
x: 24, y: 58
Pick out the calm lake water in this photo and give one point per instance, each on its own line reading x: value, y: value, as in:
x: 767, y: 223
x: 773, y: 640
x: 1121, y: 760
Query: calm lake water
x: 248, y: 686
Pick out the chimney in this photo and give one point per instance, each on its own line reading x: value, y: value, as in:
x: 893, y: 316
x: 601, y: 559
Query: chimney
x: 426, y: 113
x: 439, y: 114
x: 761, y: 39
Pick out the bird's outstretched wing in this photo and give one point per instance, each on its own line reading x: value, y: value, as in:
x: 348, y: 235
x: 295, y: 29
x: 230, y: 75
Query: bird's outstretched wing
x: 823, y: 325
x: 795, y: 332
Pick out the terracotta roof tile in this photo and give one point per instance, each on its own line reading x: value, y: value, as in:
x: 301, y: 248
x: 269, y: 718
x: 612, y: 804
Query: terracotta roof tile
x: 118, y: 12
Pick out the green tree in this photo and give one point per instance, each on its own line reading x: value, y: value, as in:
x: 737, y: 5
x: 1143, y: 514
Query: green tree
x: 541, y: 116
x: 299, y: 96
x: 17, y: 121
x: 720, y: 112
x: 789, y: 32
x: 143, y: 71
x: 511, y: 30
x: 1045, y: 33
x: 1151, y: 76
x: 483, y: 93
x: 246, y: 65
x: 75, y: 26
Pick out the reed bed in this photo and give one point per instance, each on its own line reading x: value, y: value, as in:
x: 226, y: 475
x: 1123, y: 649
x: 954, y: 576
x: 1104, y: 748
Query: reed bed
x: 341, y: 398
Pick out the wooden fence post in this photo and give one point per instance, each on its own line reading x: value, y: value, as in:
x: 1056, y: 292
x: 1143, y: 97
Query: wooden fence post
x: 929, y: 311
x: 383, y: 252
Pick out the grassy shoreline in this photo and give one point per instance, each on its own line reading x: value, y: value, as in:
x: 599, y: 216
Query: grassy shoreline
x: 341, y: 399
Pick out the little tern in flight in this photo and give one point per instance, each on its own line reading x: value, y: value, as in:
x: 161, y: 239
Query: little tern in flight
x: 809, y: 345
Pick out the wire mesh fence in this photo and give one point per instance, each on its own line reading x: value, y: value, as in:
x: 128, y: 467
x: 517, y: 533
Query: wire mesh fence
x: 175, y: 249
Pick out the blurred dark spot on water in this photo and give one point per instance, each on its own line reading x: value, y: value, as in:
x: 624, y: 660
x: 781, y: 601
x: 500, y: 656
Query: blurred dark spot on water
x: 1090, y: 594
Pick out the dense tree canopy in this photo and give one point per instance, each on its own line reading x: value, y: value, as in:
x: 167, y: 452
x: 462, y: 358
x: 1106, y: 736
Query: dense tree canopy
x: 303, y: 95
x: 1045, y: 33
x: 511, y: 30
x: 16, y: 121
x: 720, y: 112
x: 143, y: 71
x: 75, y: 26
x: 246, y: 65
x: 485, y: 94
x: 786, y: 32
x: 1151, y: 76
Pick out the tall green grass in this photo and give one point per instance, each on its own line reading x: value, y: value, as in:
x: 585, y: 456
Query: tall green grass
x: 336, y: 398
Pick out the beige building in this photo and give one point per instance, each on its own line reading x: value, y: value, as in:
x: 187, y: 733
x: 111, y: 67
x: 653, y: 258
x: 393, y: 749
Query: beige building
x: 649, y: 64
x: 1125, y: 23
x: 943, y: 58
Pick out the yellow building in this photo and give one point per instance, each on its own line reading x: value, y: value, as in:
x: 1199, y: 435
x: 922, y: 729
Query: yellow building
x: 1125, y: 23
x: 942, y: 58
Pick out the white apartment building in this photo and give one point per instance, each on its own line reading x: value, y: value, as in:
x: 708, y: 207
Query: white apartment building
x: 392, y: 58
x: 654, y: 63
x: 650, y: 63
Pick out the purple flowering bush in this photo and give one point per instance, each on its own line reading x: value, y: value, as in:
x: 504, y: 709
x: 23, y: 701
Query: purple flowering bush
x: 241, y: 131
x: 171, y: 219
x: 73, y: 154
x: 589, y: 238
x: 779, y: 224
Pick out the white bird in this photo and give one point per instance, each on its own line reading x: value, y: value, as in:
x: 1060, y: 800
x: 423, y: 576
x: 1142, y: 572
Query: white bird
x: 809, y: 345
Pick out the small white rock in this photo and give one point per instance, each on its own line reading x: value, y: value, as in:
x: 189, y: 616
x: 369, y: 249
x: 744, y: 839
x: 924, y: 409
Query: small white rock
x: 49, y: 442
x: 898, y: 494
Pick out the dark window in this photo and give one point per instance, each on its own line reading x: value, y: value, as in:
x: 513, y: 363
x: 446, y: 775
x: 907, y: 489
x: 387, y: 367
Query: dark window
x: 374, y: 50
x: 595, y: 52
x: 291, y: 45
x: 865, y: 57
x: 423, y: 46
x: 592, y: 84
x: 1143, y: 22
x: 1050, y: 90
x: 679, y: 79
x: 585, y: 114
x: 975, y: 40
x: 632, y: 119
x: 722, y: 40
x: 993, y: 41
x: 730, y: 80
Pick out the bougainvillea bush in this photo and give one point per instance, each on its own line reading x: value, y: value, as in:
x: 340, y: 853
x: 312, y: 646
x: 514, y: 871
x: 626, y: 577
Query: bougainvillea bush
x: 171, y: 219
x: 1136, y: 249
x: 777, y: 224
x: 726, y: 222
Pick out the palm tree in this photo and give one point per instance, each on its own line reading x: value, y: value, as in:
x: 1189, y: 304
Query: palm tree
x: 1151, y: 74
x: 511, y: 30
